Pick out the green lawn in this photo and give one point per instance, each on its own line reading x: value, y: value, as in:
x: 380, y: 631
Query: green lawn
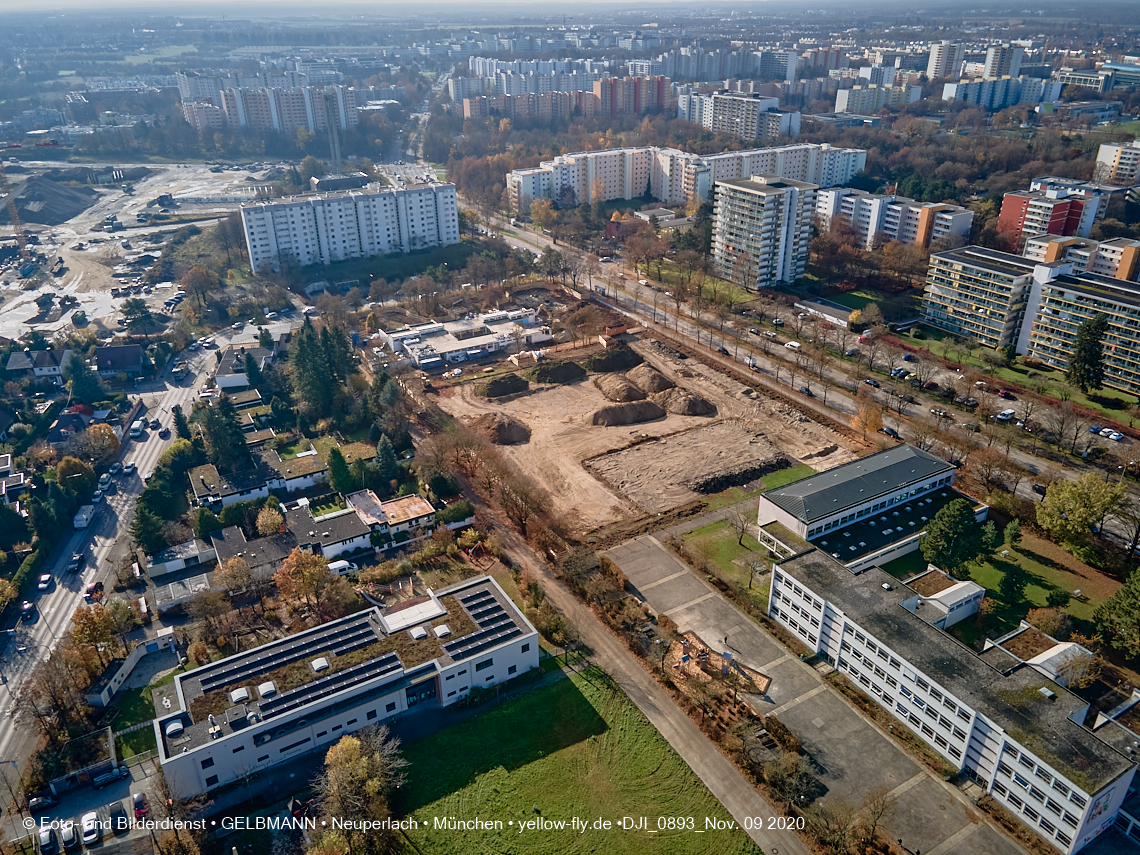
x: 137, y: 742
x: 720, y: 544
x: 336, y: 504
x: 786, y: 476
x: 1044, y: 575
x: 857, y: 299
x: 1109, y: 402
x: 574, y: 748
x: 290, y: 451
x: 135, y: 706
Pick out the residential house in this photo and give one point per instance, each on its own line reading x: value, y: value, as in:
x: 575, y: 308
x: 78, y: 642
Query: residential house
x: 263, y: 555
x: 119, y: 359
x: 12, y: 483
x: 330, y: 535
x: 191, y: 554
x: 230, y: 373
x: 38, y: 363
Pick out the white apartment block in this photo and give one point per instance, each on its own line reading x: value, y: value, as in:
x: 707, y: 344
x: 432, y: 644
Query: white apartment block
x: 879, y: 219
x: 286, y: 110
x: 738, y: 114
x: 329, y: 227
x: 1003, y: 61
x: 872, y: 98
x: 998, y: 717
x: 945, y: 59
x: 1118, y: 163
x: 252, y: 711
x: 763, y: 222
x: 675, y: 176
x: 998, y: 93
x: 1118, y: 258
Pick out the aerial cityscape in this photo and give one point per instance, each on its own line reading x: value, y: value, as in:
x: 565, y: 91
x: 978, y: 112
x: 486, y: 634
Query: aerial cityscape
x: 610, y: 428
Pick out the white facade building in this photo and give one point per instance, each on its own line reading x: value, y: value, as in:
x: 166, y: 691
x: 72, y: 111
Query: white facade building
x: 763, y: 222
x: 328, y: 227
x: 675, y: 176
x: 232, y: 718
x: 1118, y: 258
x: 945, y: 59
x: 1000, y: 719
x: 878, y: 219
x: 738, y: 114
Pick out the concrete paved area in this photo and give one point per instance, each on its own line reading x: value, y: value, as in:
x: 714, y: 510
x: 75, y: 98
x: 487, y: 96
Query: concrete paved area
x: 853, y: 755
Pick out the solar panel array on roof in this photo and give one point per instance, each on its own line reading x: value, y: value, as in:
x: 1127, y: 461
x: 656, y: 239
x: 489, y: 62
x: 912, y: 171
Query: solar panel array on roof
x: 495, y: 626
x: 288, y: 701
x: 342, y: 638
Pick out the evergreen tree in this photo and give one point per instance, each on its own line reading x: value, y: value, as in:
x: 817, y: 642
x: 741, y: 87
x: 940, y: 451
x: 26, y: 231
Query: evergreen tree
x: 313, y: 382
x: 1013, y: 533
x: 387, y: 467
x: 991, y: 540
x: 225, y: 442
x: 374, y: 433
x: 1086, y: 365
x: 147, y: 530
x: 265, y: 338
x: 86, y: 387
x: 340, y: 476
x: 253, y: 372
x: 205, y: 522
x: 1117, y: 619
x: 953, y: 538
x: 181, y: 424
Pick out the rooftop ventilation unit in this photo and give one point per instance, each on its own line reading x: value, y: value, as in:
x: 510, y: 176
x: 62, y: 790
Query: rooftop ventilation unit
x: 1047, y: 692
x: 267, y: 689
x: 239, y: 696
x: 175, y: 728
x: 442, y: 631
x: 318, y: 665
x: 417, y: 632
x: 887, y: 586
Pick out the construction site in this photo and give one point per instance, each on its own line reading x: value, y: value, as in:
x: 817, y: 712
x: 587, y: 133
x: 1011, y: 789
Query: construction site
x: 77, y: 232
x: 615, y: 445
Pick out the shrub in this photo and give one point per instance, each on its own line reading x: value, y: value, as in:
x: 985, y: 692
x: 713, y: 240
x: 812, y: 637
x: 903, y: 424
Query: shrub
x: 444, y: 485
x: 784, y: 737
x: 456, y: 512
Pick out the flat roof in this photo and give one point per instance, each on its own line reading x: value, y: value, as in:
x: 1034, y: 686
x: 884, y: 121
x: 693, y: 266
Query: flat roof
x: 886, y: 526
x: 825, y: 493
x: 358, y: 649
x: 990, y: 259
x: 1012, y: 700
x: 406, y: 508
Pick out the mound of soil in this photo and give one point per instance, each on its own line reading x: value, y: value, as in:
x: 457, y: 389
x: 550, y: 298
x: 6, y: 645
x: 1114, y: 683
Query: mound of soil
x: 617, y: 388
x: 616, y: 357
x: 500, y: 429
x: 627, y: 414
x: 557, y: 372
x: 684, y: 403
x: 649, y: 380
x: 39, y: 200
x: 505, y: 384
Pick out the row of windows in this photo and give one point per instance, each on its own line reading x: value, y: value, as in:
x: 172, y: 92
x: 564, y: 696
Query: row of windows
x: 1043, y: 822
x: 1026, y: 761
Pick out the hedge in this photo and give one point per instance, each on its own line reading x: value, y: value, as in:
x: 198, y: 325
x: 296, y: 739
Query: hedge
x: 29, y: 569
x: 456, y: 512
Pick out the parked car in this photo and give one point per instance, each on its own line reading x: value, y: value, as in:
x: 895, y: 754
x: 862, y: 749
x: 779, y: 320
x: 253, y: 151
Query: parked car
x: 49, y: 843
x: 130, y: 469
x: 116, y: 468
x: 723, y: 350
x: 1039, y: 489
x: 164, y: 433
x: 45, y: 582
x: 91, y: 831
x: 778, y: 322
x: 891, y: 432
x: 118, y: 818
x: 38, y: 803
x: 942, y: 414
x: 851, y: 351
x: 871, y: 381
x: 96, y: 497
x: 141, y: 805
x: 78, y: 559
x: 155, y: 424
x: 931, y: 385
x: 1005, y: 393
x: 1095, y: 429
x: 909, y: 357
x: 69, y: 836
x: 1116, y: 436
x: 754, y: 331
x: 973, y: 427
x: 806, y: 391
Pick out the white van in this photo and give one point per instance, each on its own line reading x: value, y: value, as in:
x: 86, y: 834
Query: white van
x: 137, y: 428
x: 792, y: 345
x: 342, y: 568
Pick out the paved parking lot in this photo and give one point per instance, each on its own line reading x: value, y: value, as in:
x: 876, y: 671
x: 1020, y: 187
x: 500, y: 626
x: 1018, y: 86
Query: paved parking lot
x: 851, y: 753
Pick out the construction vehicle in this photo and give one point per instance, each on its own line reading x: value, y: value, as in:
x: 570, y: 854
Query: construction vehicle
x: 14, y: 216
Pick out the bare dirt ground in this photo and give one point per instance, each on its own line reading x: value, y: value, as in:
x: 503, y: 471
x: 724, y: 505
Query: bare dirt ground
x: 562, y: 437
x: 657, y: 475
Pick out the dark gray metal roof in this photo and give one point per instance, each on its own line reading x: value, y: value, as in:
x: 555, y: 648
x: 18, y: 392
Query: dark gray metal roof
x: 854, y: 483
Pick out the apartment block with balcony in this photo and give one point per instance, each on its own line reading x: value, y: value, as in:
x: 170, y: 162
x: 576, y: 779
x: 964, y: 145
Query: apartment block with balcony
x: 980, y: 293
x: 1058, y: 306
x: 999, y: 717
x: 764, y: 223
x: 1047, y: 212
x: 1118, y: 163
x: 878, y: 219
x: 1118, y: 258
